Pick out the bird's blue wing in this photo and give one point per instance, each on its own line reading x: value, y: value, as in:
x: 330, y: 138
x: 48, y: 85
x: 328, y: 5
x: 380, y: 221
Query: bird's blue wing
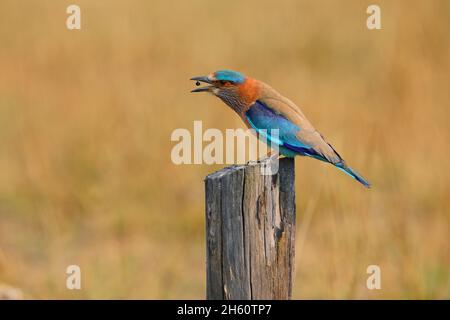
x: 263, y: 119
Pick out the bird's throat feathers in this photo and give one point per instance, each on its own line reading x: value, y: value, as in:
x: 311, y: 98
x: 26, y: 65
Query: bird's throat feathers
x: 249, y: 91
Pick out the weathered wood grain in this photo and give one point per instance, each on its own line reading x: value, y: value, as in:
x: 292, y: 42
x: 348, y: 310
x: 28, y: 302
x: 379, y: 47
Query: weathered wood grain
x: 250, y: 230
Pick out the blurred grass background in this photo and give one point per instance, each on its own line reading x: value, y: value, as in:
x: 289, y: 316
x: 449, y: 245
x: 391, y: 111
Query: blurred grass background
x: 86, y: 117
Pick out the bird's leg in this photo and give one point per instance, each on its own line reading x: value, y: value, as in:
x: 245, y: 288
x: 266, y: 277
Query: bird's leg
x: 274, y: 156
x: 269, y: 163
x: 270, y: 156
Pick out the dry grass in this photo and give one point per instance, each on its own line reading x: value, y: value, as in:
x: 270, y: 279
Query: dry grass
x: 86, y: 117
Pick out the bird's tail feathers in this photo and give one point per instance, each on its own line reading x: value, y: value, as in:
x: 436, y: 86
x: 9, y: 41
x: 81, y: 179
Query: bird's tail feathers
x: 355, y: 175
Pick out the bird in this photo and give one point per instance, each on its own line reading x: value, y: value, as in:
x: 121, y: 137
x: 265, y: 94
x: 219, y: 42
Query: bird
x: 263, y: 109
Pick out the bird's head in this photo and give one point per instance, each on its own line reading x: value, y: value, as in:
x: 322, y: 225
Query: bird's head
x: 232, y: 87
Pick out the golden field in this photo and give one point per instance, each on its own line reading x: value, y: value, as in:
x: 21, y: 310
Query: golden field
x: 86, y: 117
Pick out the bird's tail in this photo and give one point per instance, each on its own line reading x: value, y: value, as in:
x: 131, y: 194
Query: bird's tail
x: 355, y: 175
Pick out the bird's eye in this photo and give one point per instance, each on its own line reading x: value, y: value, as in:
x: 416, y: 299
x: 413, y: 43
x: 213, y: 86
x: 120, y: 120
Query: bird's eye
x: 225, y: 83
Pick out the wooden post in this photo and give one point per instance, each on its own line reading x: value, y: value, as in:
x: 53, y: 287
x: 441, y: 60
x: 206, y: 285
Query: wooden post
x: 250, y: 229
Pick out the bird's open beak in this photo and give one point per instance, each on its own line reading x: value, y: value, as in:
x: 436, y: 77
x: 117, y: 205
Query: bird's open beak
x: 204, y: 79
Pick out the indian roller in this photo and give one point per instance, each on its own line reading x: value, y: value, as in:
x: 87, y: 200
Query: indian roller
x: 264, y: 109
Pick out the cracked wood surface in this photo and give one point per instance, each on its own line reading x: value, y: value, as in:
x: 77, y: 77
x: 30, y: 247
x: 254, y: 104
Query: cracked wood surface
x: 250, y: 229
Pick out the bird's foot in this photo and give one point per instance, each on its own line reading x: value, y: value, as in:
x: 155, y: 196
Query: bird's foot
x: 251, y: 162
x: 269, y: 157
